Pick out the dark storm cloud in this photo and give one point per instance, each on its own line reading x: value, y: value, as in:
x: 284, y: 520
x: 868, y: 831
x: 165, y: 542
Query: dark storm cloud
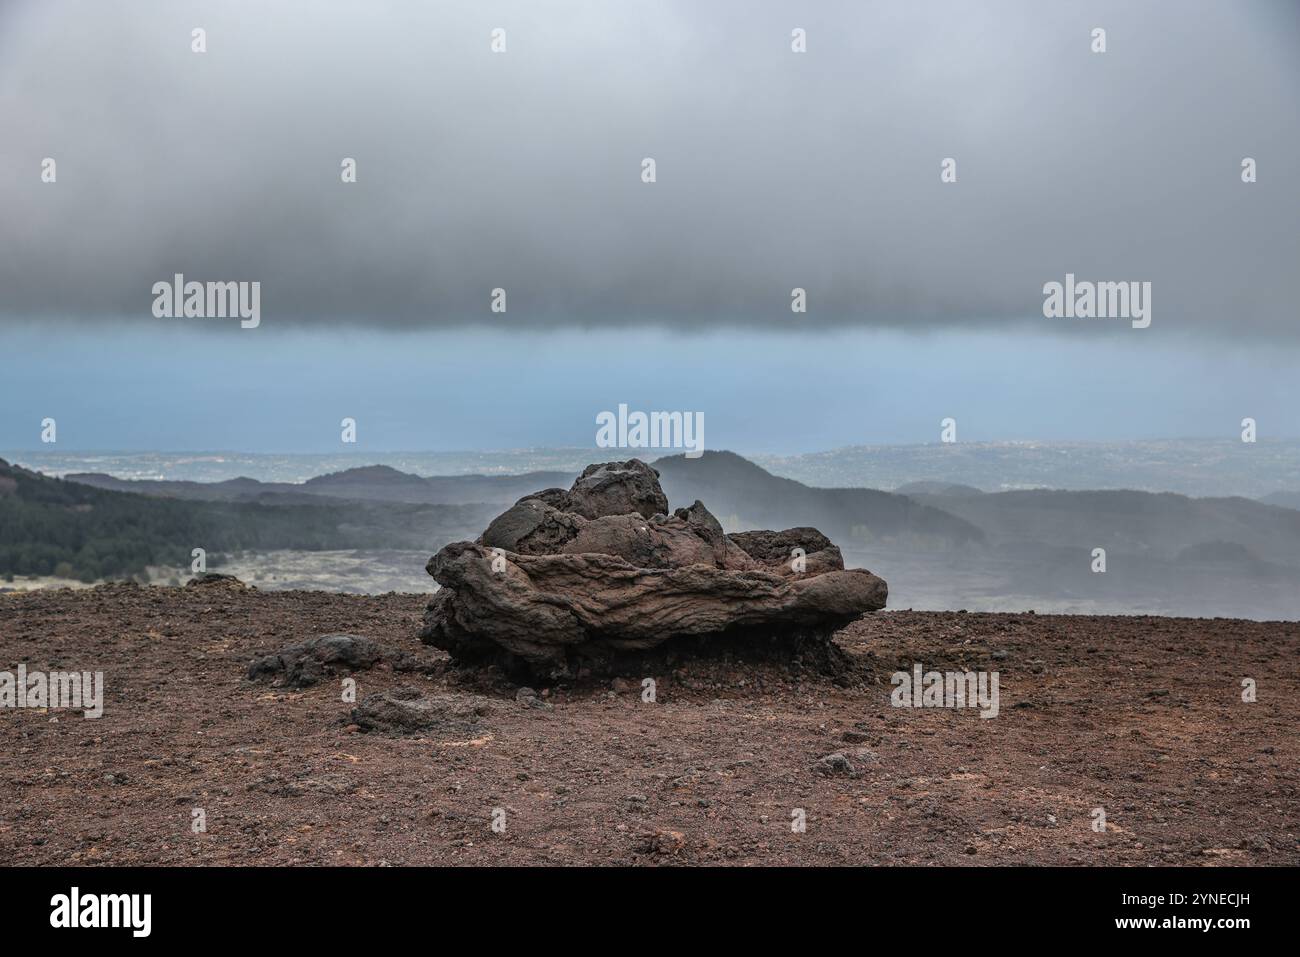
x: 775, y: 170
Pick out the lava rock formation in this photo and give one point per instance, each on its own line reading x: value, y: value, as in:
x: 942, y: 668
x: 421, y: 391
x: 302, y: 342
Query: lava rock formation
x: 567, y: 580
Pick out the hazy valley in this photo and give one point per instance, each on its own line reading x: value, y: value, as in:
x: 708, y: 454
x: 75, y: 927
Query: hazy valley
x: 941, y: 545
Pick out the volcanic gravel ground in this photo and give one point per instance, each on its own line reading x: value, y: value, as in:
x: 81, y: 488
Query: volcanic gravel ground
x: 1142, y: 717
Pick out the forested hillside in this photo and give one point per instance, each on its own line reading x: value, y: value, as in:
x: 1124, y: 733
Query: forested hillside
x: 55, y: 527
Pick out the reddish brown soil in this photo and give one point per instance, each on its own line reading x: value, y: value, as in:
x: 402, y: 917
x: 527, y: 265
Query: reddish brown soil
x: 1140, y: 716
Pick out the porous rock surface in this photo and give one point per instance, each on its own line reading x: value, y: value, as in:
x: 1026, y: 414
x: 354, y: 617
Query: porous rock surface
x: 305, y: 663
x: 404, y: 710
x: 569, y: 579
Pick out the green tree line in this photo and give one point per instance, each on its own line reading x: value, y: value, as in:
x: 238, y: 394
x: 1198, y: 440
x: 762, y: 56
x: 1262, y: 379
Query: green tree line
x: 49, y: 526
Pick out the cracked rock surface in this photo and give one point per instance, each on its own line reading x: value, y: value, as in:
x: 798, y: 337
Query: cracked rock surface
x: 568, y: 579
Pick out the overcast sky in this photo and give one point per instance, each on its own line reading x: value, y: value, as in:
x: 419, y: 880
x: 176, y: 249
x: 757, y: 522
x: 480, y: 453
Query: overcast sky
x: 522, y: 170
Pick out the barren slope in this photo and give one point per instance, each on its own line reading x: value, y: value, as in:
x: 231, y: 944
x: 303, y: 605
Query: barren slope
x: 1140, y: 716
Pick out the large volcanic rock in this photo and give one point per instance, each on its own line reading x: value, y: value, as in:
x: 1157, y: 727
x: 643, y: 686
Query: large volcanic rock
x: 564, y: 578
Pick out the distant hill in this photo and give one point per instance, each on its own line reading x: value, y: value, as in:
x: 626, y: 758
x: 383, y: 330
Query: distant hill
x: 943, y: 544
x: 1166, y: 553
x: 743, y: 495
x: 58, y: 527
x: 1283, y: 499
x: 1220, y: 467
x: 937, y: 488
x: 371, y: 483
x: 1161, y: 524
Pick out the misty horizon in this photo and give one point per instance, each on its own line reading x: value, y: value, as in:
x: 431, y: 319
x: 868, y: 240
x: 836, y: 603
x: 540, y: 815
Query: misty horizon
x: 1265, y: 470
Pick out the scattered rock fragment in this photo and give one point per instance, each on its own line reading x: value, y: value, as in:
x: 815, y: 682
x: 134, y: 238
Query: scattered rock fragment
x: 662, y: 842
x: 531, y: 699
x: 308, y: 662
x: 836, y: 765
x: 405, y: 710
x: 207, y: 579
